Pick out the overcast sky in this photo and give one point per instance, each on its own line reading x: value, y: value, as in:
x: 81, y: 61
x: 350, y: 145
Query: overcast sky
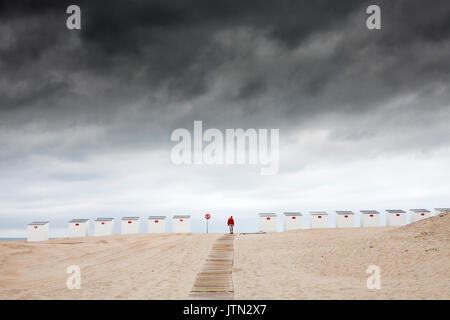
x: 86, y: 115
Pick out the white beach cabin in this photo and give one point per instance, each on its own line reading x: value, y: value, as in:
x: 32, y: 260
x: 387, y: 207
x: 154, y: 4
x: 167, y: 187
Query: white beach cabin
x: 442, y: 210
x: 395, y: 217
x: 345, y: 219
x: 181, y: 224
x: 103, y: 227
x: 78, y: 228
x: 38, y: 231
x: 319, y: 219
x: 157, y: 224
x: 370, y: 218
x: 419, y: 214
x: 268, y: 222
x: 292, y: 221
x: 129, y: 225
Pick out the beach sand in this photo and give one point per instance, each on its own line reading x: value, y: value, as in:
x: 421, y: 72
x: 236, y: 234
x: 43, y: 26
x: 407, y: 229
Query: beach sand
x: 307, y: 264
x: 141, y: 266
x: 414, y: 262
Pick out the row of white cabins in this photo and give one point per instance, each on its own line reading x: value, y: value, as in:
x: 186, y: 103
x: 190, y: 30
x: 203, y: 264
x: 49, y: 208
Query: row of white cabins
x: 344, y: 219
x: 39, y: 231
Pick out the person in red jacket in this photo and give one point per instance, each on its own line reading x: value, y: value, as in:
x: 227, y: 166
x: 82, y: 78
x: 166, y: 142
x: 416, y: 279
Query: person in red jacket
x: 231, y: 224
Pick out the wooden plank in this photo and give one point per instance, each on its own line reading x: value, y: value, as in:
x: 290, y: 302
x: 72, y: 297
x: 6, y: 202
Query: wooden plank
x: 214, y: 282
x: 211, y: 289
x: 211, y: 296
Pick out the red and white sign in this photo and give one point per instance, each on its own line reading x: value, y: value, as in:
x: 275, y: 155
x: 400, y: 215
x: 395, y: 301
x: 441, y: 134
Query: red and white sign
x: 268, y: 218
x: 156, y: 221
x: 319, y: 217
x: 207, y: 216
x: 293, y: 218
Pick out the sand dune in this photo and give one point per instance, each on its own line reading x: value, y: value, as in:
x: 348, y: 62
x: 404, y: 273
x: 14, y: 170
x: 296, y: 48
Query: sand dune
x: 331, y: 263
x: 305, y: 264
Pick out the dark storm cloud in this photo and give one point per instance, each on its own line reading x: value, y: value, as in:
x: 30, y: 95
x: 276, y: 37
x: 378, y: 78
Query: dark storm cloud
x: 170, y: 42
x: 86, y: 116
x: 246, y: 63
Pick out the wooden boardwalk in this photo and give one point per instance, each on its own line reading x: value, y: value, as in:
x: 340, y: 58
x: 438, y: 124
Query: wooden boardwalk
x: 214, y: 282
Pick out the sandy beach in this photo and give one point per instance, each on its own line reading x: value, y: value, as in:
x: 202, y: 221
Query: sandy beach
x: 331, y: 263
x: 307, y: 264
x: 140, y: 266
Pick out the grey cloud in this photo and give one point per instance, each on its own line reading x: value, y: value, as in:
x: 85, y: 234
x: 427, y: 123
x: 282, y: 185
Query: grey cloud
x: 137, y: 71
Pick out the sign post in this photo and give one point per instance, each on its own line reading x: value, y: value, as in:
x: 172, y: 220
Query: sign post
x: 207, y: 216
